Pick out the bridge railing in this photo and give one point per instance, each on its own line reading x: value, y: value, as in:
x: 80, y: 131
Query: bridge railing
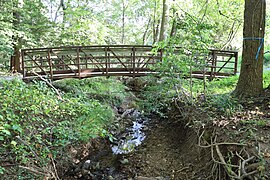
x: 218, y: 63
x: 85, y: 61
x: 117, y: 60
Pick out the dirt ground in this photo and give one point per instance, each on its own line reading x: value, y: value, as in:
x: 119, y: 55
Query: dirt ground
x: 170, y: 151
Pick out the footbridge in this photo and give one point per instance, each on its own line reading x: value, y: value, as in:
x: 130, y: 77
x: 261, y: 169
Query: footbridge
x: 114, y: 60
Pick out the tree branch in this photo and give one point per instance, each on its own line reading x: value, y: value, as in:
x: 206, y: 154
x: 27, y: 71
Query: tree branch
x: 35, y: 171
x: 49, y: 84
x: 26, y: 144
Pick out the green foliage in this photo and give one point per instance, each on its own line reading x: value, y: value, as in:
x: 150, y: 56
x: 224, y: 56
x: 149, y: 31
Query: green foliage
x: 5, y: 32
x: 266, y: 79
x: 81, y: 28
x: 33, y: 119
x: 257, y: 122
x: 223, y: 103
x: 2, y: 170
x: 221, y: 86
x: 107, y: 90
x: 267, y: 55
x: 30, y: 27
x: 34, y: 28
x: 267, y: 58
x: 157, y: 96
x: 201, y: 24
x: 175, y: 63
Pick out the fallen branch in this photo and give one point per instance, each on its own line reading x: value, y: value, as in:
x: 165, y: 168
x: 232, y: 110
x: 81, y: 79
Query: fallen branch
x: 35, y: 171
x: 182, y: 169
x: 49, y: 84
x: 248, y: 174
x: 26, y: 144
x: 218, y: 162
x: 54, y: 168
x: 224, y: 143
x: 237, y: 154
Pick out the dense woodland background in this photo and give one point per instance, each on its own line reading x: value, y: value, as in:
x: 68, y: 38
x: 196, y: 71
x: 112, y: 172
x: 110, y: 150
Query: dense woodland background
x: 192, y: 24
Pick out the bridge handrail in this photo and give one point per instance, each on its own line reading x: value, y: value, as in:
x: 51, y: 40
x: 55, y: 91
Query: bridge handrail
x: 105, y: 57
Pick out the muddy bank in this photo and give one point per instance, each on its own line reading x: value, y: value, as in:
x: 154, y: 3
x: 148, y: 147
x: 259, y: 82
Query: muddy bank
x: 170, y: 151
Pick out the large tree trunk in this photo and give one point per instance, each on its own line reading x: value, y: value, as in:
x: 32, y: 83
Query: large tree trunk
x: 146, y: 31
x: 250, y: 82
x: 164, y: 21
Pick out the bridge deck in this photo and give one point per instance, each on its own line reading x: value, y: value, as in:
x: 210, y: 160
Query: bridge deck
x: 115, y: 60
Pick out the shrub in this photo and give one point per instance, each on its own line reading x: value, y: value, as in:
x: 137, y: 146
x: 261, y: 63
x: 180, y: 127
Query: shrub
x: 108, y: 90
x: 35, y: 123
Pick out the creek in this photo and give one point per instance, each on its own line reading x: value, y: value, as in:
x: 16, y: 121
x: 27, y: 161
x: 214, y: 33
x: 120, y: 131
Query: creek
x: 132, y: 136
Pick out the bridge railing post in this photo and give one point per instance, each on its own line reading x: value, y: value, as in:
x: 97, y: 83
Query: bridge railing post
x: 50, y: 63
x: 235, y: 63
x: 133, y: 60
x: 78, y: 62
x: 214, y: 64
x: 106, y: 59
x: 23, y: 70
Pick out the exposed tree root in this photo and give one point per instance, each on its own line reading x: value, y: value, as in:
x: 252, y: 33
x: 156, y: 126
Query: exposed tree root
x: 246, y: 168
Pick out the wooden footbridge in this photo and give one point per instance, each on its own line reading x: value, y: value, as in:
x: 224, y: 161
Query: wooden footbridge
x: 113, y: 60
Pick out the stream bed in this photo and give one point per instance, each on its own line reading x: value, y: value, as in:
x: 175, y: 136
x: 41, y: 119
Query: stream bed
x: 107, y: 160
x: 133, y: 136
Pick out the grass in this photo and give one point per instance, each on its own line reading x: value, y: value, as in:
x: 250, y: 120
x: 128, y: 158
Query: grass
x: 222, y: 86
x: 259, y: 122
x: 266, y: 79
x: 158, y: 95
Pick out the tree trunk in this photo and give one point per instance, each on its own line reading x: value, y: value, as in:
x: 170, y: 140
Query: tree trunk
x: 154, y: 24
x: 174, y: 24
x: 250, y: 82
x: 63, y: 6
x: 146, y: 31
x: 123, y: 21
x: 156, y: 32
x: 164, y: 21
x: 16, y: 60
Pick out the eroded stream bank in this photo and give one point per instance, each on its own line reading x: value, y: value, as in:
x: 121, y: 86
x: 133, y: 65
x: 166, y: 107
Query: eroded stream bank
x: 145, y: 148
x: 169, y: 151
x: 193, y: 142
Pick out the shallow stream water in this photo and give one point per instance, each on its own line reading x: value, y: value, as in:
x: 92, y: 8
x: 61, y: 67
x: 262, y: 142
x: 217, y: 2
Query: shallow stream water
x: 133, y: 136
